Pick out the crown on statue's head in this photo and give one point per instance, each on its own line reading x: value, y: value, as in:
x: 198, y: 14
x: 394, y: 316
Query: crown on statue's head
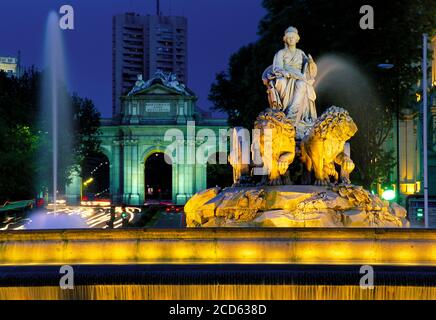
x: 291, y: 30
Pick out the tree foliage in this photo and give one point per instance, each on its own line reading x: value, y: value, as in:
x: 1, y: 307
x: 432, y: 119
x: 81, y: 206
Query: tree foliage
x: 332, y: 27
x: 25, y: 155
x: 86, y: 122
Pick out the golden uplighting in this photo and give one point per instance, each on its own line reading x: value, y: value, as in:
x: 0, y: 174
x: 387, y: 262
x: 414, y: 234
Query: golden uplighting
x: 402, y: 247
x: 408, y: 188
x: 221, y: 292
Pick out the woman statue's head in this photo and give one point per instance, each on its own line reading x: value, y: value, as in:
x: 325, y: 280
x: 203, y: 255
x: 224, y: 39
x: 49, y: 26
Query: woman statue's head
x: 291, y: 36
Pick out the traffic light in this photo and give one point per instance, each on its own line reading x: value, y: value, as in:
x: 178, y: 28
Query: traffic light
x: 419, y: 214
x: 388, y: 194
x: 124, y: 215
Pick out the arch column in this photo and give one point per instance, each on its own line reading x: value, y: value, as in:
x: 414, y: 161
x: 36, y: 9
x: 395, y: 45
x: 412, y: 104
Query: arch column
x: 182, y: 183
x: 200, y: 177
x: 189, y: 177
x: 184, y: 174
x: 141, y: 178
x: 116, y: 172
x: 73, y: 190
x: 130, y: 165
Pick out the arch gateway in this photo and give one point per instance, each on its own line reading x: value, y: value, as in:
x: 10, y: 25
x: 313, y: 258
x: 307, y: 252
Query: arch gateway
x: 149, y: 111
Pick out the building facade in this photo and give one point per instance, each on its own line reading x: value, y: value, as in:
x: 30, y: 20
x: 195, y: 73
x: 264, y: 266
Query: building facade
x: 11, y: 65
x: 411, y: 154
x: 142, y: 45
x: 155, y: 115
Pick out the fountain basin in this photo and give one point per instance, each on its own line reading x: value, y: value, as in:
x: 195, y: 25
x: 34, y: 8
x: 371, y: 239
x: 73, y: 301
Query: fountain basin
x: 217, y: 281
x: 320, y: 246
x: 219, y: 263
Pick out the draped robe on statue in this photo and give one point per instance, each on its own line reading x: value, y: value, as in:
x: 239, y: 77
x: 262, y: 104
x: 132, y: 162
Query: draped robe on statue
x: 290, y: 85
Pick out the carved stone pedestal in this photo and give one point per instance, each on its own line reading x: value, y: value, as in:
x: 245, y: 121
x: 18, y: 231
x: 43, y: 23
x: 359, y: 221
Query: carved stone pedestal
x: 292, y: 206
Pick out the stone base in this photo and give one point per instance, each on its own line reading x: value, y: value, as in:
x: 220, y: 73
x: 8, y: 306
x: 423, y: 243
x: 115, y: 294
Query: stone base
x: 131, y: 199
x: 73, y: 199
x: 292, y: 206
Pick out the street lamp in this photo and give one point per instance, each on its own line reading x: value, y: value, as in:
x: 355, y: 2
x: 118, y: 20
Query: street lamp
x: 385, y: 66
x: 389, y: 66
x: 424, y: 125
x: 86, y: 183
x: 388, y: 194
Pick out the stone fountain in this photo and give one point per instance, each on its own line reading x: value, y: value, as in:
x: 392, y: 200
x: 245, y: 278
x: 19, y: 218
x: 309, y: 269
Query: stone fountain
x: 248, y: 263
x: 288, y: 131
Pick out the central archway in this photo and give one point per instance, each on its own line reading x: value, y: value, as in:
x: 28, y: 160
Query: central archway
x: 157, y: 177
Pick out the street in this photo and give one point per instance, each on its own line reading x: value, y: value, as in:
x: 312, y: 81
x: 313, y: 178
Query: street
x: 64, y: 218
x: 84, y: 217
x: 168, y: 220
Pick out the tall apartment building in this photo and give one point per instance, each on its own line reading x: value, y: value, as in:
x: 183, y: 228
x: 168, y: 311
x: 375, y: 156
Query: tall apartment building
x: 143, y: 45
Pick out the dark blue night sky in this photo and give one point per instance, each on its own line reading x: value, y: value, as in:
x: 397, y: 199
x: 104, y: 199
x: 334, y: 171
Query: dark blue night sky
x: 217, y: 28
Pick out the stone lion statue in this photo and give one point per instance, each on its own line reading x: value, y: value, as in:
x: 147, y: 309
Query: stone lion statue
x: 324, y: 145
x: 236, y: 157
x: 275, y: 143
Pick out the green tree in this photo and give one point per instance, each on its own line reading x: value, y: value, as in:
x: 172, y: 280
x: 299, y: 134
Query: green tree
x: 18, y: 145
x: 18, y: 139
x: 86, y: 122
x: 332, y: 27
x: 219, y: 175
x: 26, y: 150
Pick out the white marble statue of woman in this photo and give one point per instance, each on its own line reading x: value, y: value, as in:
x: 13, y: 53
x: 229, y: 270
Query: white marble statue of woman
x: 290, y: 81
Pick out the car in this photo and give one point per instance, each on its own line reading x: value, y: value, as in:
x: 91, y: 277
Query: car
x: 173, y: 209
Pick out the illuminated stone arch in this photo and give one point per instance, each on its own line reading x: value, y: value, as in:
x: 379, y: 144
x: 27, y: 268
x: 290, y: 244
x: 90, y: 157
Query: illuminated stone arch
x: 138, y: 130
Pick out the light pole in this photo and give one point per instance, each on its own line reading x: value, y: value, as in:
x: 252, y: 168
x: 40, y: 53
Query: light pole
x: 86, y: 183
x: 424, y: 124
x: 389, y: 66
